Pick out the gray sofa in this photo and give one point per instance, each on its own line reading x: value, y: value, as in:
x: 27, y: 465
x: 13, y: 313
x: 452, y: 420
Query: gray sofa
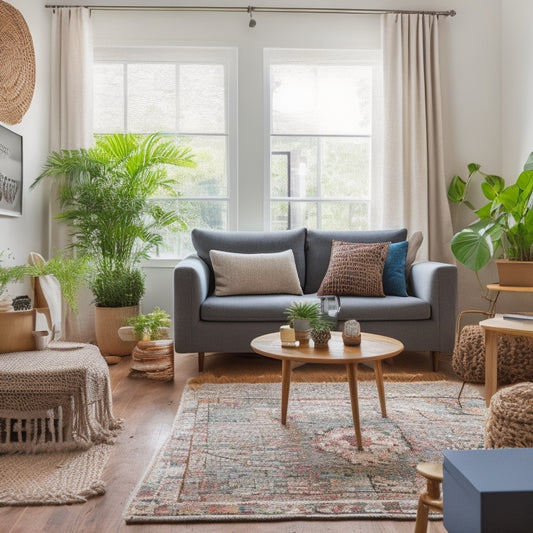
x: 423, y: 321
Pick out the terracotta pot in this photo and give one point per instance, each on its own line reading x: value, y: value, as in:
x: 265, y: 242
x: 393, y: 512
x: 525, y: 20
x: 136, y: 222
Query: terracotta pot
x: 515, y: 273
x: 107, y: 321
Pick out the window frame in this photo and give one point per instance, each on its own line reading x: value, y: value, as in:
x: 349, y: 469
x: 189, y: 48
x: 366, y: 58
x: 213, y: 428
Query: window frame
x: 225, y: 55
x: 366, y: 57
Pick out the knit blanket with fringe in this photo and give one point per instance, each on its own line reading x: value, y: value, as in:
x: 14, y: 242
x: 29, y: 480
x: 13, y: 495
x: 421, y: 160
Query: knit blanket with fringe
x: 58, y: 399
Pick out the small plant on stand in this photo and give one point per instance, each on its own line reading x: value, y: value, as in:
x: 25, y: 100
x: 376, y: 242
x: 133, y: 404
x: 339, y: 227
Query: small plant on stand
x: 151, y: 327
x: 153, y: 357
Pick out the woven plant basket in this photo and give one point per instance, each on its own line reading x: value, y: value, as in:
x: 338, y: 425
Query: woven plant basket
x: 17, y: 66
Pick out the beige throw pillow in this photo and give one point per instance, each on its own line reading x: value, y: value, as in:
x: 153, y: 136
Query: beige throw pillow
x: 273, y: 273
x: 355, y: 269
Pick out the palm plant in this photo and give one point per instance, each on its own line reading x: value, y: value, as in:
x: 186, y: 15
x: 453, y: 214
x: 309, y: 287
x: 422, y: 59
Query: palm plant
x: 106, y: 196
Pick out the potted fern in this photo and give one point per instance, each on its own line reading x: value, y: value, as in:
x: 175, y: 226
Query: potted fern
x: 504, y: 227
x: 105, y: 194
x: 301, y: 316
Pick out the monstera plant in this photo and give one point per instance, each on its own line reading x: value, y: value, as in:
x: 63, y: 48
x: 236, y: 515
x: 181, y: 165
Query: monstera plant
x: 504, y: 225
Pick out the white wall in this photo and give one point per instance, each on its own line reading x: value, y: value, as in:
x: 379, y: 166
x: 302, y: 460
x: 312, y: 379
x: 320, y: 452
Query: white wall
x: 29, y: 232
x: 485, y: 63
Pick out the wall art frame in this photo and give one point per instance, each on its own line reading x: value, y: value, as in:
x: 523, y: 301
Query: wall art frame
x: 11, y: 178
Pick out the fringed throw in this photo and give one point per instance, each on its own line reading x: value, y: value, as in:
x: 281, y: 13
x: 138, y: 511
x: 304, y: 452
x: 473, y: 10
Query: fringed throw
x: 57, y: 399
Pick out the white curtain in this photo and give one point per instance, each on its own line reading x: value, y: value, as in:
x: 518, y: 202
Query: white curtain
x: 414, y: 184
x: 70, y: 129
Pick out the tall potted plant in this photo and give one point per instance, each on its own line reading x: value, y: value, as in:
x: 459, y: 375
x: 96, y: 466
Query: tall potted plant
x: 106, y: 198
x: 504, y: 227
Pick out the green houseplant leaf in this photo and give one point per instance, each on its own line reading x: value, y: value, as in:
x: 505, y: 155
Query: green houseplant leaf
x: 106, y: 194
x: 504, y: 224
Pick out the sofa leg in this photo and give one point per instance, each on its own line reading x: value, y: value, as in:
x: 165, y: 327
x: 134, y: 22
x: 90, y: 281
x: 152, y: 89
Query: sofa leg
x: 201, y: 357
x: 435, y: 361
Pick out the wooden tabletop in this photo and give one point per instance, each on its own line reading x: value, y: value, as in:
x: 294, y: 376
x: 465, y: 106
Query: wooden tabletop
x: 372, y: 348
x: 508, y: 288
x: 505, y: 325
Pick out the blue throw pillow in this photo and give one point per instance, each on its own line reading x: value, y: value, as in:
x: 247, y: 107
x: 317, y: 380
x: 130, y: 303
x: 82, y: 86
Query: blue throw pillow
x: 394, y: 283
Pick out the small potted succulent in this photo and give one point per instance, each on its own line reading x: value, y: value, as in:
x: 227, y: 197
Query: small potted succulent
x: 321, y: 331
x: 351, y: 333
x: 301, y: 316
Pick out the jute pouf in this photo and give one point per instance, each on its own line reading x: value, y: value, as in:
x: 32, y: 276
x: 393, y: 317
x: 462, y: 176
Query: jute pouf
x: 515, y: 357
x: 510, y: 419
x: 17, y: 65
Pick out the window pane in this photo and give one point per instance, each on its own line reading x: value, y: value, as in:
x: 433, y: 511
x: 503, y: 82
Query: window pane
x: 329, y: 167
x: 287, y: 215
x: 206, y: 214
x: 108, y: 98
x: 345, y: 164
x: 151, y: 97
x: 303, y: 155
x: 201, y: 99
x: 319, y: 215
x: 209, y: 178
x: 321, y: 99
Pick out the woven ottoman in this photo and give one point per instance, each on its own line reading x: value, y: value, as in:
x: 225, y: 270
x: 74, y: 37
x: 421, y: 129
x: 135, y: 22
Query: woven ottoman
x: 510, y: 418
x: 515, y: 357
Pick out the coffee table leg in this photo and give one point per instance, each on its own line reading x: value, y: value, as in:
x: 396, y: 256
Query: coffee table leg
x: 285, y: 387
x: 381, y: 388
x: 351, y: 371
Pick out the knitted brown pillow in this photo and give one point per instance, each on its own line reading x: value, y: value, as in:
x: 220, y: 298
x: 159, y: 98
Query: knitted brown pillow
x: 355, y: 269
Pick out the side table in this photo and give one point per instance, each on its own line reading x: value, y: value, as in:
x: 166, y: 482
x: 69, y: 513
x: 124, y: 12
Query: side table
x: 493, y: 328
x: 56, y: 399
x: 497, y: 288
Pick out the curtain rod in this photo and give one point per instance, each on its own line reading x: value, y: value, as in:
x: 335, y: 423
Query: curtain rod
x: 255, y: 9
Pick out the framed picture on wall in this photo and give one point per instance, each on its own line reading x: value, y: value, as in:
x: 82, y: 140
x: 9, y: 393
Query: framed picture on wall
x: 10, y: 173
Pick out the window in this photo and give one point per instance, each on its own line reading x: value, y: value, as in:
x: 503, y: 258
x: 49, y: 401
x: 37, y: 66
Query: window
x: 183, y: 93
x: 321, y: 135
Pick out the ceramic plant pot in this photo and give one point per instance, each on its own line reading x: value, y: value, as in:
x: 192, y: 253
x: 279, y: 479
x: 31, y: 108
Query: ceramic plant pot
x: 320, y: 337
x: 107, y: 321
x: 515, y: 273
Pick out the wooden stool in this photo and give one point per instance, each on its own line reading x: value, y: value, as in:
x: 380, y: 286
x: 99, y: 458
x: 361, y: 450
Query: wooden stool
x: 431, y: 499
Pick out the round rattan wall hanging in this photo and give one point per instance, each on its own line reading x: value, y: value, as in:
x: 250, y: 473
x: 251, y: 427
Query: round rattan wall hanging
x: 17, y: 65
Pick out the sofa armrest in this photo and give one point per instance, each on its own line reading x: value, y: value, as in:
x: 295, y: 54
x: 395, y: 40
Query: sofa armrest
x: 436, y: 283
x: 191, y: 288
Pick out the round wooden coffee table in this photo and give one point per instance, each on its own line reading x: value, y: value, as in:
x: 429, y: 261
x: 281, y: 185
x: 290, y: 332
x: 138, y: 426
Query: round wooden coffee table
x: 373, y: 348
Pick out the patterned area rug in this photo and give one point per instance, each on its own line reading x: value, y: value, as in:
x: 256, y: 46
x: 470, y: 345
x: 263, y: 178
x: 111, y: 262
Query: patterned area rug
x: 229, y: 459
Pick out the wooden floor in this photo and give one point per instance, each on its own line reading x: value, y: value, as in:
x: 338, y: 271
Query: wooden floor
x: 148, y: 408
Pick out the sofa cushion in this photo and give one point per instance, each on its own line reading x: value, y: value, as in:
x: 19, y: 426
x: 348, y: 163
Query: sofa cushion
x: 318, y: 249
x: 394, y: 279
x: 355, y: 269
x: 254, y: 273
x: 271, y: 308
x: 390, y: 308
x: 252, y: 242
x: 249, y: 308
